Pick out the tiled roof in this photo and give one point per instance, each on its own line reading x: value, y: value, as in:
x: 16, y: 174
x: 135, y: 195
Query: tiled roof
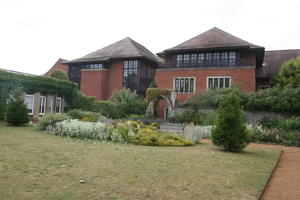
x: 273, y: 61
x: 125, y: 48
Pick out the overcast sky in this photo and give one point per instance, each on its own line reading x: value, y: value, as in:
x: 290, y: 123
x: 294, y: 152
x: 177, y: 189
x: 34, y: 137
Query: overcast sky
x: 35, y: 33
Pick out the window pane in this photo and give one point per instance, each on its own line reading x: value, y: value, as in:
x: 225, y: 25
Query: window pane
x: 210, y: 83
x: 209, y: 56
x: 186, y: 85
x: 221, y: 82
x: 181, y: 85
x: 227, y: 80
x: 177, y: 84
x: 186, y: 58
x: 191, y: 85
x: 216, y: 82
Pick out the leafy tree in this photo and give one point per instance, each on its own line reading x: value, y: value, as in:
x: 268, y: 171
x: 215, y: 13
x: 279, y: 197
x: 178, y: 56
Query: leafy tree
x: 17, y: 113
x: 230, y: 131
x: 289, y: 74
x: 59, y: 74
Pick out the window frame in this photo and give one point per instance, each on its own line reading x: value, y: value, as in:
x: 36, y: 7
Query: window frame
x: 189, y: 85
x: 60, y: 102
x: 32, y: 109
x: 44, y: 105
x: 218, y: 77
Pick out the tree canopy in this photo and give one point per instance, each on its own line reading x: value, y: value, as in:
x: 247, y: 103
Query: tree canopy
x: 289, y: 74
x: 59, y: 74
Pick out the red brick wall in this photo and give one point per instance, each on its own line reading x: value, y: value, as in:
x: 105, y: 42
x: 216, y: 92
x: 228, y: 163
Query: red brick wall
x: 115, y: 77
x: 242, y: 77
x: 93, y: 83
x: 56, y: 66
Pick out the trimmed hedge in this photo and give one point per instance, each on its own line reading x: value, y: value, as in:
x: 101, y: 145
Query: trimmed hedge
x: 272, y: 99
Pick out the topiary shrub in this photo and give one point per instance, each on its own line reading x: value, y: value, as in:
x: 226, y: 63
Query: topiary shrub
x: 17, y: 113
x: 230, y: 131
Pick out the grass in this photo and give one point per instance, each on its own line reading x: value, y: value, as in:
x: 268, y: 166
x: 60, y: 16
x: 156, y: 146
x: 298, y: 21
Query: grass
x: 35, y: 165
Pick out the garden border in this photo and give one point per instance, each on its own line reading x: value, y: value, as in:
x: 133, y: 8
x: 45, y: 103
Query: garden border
x: 271, y: 175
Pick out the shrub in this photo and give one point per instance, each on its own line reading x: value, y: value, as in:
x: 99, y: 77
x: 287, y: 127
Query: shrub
x: 230, y: 131
x: 50, y: 119
x: 192, y: 115
x: 78, y: 129
x: 84, y: 115
x: 289, y: 74
x: 129, y: 102
x: 152, y: 138
x: 291, y: 124
x: 17, y: 113
x: 59, y: 74
x: 109, y: 109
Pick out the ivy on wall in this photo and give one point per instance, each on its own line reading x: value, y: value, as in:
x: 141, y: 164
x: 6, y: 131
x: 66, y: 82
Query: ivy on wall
x: 44, y: 85
x: 153, y: 94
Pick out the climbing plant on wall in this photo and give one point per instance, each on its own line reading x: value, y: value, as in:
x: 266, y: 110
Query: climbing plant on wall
x: 153, y: 94
x: 45, y: 85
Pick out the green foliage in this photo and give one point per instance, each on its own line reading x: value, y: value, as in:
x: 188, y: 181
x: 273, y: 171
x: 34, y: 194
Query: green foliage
x: 291, y: 124
x: 192, y: 115
x: 110, y: 109
x: 17, y: 113
x: 230, y: 131
x: 153, y: 84
x: 274, y: 136
x: 82, y: 102
x: 152, y: 138
x: 50, y: 119
x: 289, y: 74
x: 129, y: 102
x: 272, y: 99
x: 45, y: 85
x: 153, y: 94
x: 59, y: 74
x: 84, y: 115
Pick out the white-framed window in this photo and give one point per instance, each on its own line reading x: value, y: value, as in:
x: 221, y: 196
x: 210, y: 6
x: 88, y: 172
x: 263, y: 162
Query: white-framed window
x: 218, y: 82
x: 42, y: 107
x: 29, y: 101
x: 184, y: 85
x: 58, y: 105
x: 50, y: 108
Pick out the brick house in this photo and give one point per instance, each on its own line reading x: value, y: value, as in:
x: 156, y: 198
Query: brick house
x: 217, y: 59
x: 123, y: 64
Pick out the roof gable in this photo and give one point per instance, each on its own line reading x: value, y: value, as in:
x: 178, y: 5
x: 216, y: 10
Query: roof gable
x: 125, y: 48
x: 213, y: 38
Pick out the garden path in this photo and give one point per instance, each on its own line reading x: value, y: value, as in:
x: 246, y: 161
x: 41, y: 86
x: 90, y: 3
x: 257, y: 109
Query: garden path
x: 285, y: 181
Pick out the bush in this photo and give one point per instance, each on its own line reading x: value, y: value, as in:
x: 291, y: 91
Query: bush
x: 17, y: 113
x: 59, y: 74
x: 192, y: 115
x: 272, y: 99
x: 84, y: 115
x: 78, y: 129
x: 129, y: 102
x: 50, y: 119
x: 230, y: 131
x: 110, y: 109
x: 152, y: 138
x: 291, y: 124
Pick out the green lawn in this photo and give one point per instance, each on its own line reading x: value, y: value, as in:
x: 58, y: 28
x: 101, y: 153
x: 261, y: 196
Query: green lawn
x: 36, y: 165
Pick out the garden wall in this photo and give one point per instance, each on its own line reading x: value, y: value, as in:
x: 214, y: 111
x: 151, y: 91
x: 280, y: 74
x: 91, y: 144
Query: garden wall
x: 252, y: 117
